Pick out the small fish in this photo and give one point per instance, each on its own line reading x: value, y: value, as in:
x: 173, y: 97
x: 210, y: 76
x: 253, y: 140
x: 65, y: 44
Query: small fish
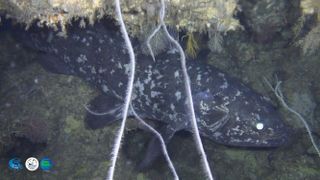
x: 227, y: 111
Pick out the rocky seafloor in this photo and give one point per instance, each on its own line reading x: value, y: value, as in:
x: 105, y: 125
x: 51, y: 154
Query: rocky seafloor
x: 42, y: 114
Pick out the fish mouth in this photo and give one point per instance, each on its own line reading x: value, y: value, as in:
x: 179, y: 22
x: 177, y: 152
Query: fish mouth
x: 280, y: 139
x: 277, y: 142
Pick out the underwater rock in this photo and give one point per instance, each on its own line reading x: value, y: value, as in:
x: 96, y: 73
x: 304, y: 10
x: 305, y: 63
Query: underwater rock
x: 35, y: 130
x: 264, y: 18
x: 300, y: 98
x: 193, y: 16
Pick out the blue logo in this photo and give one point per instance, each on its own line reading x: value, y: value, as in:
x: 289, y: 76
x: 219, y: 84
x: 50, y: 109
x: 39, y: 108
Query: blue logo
x: 15, y: 164
x: 46, y: 164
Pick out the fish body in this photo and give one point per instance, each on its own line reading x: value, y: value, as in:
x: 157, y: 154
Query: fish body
x: 227, y: 111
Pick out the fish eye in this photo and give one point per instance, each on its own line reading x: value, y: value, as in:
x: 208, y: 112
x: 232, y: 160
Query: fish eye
x: 259, y: 126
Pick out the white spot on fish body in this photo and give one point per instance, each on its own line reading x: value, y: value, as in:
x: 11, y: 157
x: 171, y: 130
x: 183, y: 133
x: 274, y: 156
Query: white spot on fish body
x: 75, y: 37
x: 217, y: 134
x: 237, y: 128
x: 257, y: 116
x: 204, y: 107
x: 104, y: 88
x: 93, y: 70
x: 101, y: 70
x: 66, y: 58
x: 159, y: 77
x: 82, y: 58
x: 173, y: 51
x: 140, y: 87
x: 228, y: 132
x: 55, y: 50
x: 235, y: 140
x: 82, y: 70
x: 152, y: 85
x: 155, y: 93
x: 119, y: 65
x: 221, y: 74
x: 155, y: 107
x: 83, y: 40
x: 172, y: 107
x: 127, y: 68
x: 199, y: 79
x: 149, y: 73
x: 156, y: 71
x: 224, y: 85
x: 176, y: 74
x: 178, y: 95
x: 238, y: 93
x: 134, y: 96
x: 265, y: 98
x: 101, y: 41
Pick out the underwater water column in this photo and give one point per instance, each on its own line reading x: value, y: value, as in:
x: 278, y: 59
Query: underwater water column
x: 119, y: 135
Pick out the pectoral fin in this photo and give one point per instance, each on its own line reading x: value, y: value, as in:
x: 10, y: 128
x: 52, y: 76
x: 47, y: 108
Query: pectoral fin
x: 154, y: 149
x: 102, y: 111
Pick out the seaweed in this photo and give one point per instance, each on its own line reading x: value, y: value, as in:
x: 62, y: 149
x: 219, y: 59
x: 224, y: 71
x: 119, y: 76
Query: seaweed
x: 192, y: 46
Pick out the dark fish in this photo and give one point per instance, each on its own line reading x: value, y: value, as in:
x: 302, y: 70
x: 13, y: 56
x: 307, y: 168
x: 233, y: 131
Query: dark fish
x: 227, y: 111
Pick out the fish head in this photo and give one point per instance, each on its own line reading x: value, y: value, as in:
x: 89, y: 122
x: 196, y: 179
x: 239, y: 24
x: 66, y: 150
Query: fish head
x: 248, y: 122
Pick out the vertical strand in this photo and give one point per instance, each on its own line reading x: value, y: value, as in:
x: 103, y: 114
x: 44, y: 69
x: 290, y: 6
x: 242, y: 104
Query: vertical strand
x: 117, y: 143
x: 187, y: 88
x: 194, y: 124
